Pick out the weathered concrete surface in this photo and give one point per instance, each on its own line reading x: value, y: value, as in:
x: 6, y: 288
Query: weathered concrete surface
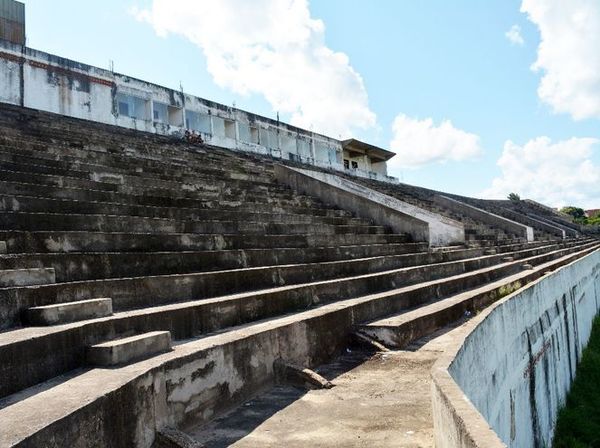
x: 26, y: 277
x: 61, y: 348
x: 129, y: 349
x: 3, y: 249
x: 489, y: 218
x: 379, y: 400
x: 62, y: 313
x: 516, y: 365
x: 400, y: 216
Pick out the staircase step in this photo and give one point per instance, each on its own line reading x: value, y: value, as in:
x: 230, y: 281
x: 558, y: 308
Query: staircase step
x: 62, y: 313
x: 186, y: 319
x: 26, y: 277
x: 318, y: 334
x: 127, y: 350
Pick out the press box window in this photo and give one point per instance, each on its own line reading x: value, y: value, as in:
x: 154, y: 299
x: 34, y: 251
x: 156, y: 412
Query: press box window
x: 133, y: 106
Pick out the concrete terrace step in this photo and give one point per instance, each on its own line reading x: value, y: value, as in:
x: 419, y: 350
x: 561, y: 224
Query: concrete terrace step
x: 115, y: 223
x: 188, y: 192
x: 207, y: 161
x: 285, y: 337
x: 62, y: 313
x: 26, y: 277
x: 142, y: 201
x: 207, y: 187
x: 29, y: 204
x: 126, y: 350
x: 89, y: 266
x: 196, y: 317
x: 81, y: 241
x: 399, y: 330
x: 171, y: 179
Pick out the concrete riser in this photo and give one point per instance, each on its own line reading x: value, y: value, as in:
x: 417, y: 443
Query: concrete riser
x: 27, y: 204
x: 146, y: 291
x: 308, y: 342
x: 45, y: 242
x: 103, y: 223
x: 68, y: 347
x: 90, y: 266
x: 138, y: 202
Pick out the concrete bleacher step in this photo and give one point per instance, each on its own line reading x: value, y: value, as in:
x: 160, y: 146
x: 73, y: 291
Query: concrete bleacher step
x: 318, y: 335
x: 399, y: 331
x: 381, y: 293
x: 129, y: 349
x: 26, y: 277
x: 111, y: 223
x: 94, y: 198
x: 62, y: 313
x: 87, y: 266
x: 83, y: 241
x: 30, y: 204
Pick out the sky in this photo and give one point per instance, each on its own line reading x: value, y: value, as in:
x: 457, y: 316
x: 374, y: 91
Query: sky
x: 476, y: 98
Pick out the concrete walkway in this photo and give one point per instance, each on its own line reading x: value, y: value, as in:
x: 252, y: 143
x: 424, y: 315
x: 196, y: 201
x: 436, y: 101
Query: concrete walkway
x: 379, y: 400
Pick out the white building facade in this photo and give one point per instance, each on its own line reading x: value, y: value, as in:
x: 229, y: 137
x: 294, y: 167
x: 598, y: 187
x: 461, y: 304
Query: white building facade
x: 39, y: 80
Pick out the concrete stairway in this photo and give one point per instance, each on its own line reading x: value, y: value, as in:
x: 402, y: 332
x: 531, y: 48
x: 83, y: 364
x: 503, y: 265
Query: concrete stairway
x: 181, y: 274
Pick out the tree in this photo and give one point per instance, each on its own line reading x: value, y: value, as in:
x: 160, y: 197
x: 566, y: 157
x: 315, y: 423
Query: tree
x: 576, y: 212
x: 514, y: 197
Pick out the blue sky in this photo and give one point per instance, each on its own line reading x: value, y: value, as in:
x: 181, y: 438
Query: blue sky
x: 430, y: 59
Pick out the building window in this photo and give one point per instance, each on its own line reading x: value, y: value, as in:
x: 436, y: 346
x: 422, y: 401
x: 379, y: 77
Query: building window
x: 160, y: 112
x: 346, y: 164
x: 230, y: 129
x: 354, y: 165
x: 253, y: 135
x: 197, y: 121
x: 218, y: 127
x: 133, y: 106
x: 175, y: 116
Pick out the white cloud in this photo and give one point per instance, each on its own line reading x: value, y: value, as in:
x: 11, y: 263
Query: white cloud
x: 568, y: 54
x: 419, y: 142
x: 273, y: 48
x: 555, y: 174
x: 514, y: 35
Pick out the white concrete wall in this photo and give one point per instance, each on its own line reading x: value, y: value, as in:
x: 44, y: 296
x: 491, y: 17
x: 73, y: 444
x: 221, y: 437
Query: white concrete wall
x: 400, y: 216
x: 66, y: 87
x: 513, y: 371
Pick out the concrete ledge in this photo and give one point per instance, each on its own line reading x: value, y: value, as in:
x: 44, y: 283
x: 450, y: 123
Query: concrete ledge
x: 529, y: 343
x: 499, y: 222
x: 401, y: 217
x: 63, y: 313
x: 526, y: 219
x: 125, y: 350
x: 27, y: 277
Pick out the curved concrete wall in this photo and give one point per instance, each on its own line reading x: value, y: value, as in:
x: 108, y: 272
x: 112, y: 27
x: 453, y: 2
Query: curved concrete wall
x: 504, y: 384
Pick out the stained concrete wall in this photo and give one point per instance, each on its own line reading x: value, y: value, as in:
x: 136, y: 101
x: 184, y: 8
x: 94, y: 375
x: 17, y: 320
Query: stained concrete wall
x: 489, y: 218
x: 50, y: 83
x: 401, y: 217
x: 504, y: 384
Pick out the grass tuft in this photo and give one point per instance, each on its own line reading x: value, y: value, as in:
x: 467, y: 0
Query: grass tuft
x: 578, y: 424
